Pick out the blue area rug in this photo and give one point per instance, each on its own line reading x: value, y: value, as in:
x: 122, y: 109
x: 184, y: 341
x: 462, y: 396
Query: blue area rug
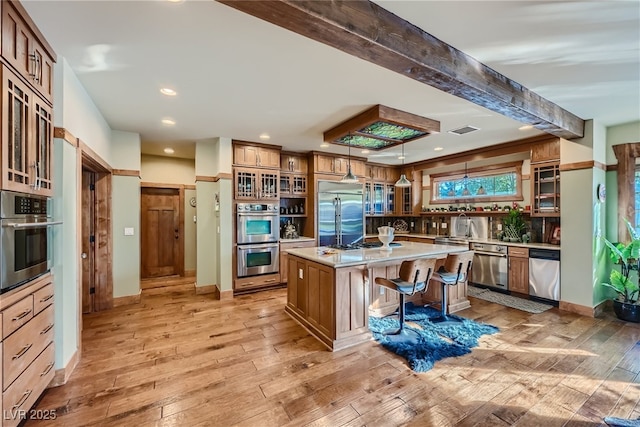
x: 437, y: 341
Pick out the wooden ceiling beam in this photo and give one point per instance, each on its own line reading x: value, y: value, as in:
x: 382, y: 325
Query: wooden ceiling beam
x: 368, y: 31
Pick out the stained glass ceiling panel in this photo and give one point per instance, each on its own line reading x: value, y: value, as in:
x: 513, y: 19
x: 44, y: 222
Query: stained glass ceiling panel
x: 381, y: 127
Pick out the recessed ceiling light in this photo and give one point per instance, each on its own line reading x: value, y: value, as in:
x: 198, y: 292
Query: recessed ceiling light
x: 438, y: 149
x: 168, y: 92
x: 265, y: 136
x: 324, y: 145
x: 365, y: 151
x: 169, y: 150
x: 168, y: 122
x: 525, y: 127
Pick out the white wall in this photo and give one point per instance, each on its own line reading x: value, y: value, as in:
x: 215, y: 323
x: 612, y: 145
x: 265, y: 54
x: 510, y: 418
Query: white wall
x: 167, y: 170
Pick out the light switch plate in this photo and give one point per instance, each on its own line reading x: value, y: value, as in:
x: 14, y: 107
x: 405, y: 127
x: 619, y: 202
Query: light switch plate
x: 300, y: 274
x: 128, y: 231
x: 444, y: 226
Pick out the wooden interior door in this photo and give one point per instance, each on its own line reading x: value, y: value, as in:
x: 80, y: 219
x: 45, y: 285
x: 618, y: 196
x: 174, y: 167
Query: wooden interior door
x: 160, y: 232
x: 88, y: 241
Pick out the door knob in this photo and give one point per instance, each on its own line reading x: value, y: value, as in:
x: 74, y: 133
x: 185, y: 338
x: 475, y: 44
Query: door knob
x: 84, y: 255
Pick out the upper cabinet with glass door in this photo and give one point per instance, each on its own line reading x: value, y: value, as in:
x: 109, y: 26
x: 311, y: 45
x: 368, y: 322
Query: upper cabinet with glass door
x: 27, y: 119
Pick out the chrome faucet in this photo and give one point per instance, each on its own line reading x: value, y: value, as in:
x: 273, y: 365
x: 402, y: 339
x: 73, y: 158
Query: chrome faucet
x: 468, y: 225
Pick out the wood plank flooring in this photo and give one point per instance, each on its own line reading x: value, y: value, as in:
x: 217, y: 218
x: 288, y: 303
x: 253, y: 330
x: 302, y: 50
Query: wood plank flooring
x: 180, y: 359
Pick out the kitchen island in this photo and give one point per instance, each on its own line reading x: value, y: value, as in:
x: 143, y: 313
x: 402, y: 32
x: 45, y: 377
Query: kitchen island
x: 331, y: 292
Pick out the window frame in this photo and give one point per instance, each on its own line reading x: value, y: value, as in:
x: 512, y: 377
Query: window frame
x: 500, y: 169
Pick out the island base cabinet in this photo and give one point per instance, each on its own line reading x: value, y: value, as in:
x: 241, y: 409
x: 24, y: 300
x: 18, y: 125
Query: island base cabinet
x: 384, y: 301
x: 331, y: 303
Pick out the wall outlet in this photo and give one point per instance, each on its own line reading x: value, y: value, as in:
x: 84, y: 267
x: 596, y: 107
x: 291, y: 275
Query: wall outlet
x: 128, y: 231
x: 412, y: 224
x: 300, y: 274
x: 433, y: 225
x: 444, y: 226
x: 499, y: 227
x: 381, y: 290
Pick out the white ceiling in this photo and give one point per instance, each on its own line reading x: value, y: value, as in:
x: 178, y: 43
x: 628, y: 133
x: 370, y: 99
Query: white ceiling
x: 237, y: 76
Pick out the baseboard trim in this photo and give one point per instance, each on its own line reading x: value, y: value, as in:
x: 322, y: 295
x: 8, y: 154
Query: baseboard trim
x: 61, y: 376
x: 189, y: 273
x: 225, y: 295
x: 207, y: 289
x: 126, y: 300
x: 582, y: 310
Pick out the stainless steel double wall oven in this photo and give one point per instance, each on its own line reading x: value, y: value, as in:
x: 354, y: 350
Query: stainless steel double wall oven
x: 258, y: 232
x: 25, y: 233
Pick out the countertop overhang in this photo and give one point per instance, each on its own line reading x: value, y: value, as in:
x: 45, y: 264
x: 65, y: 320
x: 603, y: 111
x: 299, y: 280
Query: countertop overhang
x: 408, y: 250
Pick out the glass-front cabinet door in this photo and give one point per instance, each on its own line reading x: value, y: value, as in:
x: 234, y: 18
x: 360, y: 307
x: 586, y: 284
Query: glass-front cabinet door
x: 378, y: 198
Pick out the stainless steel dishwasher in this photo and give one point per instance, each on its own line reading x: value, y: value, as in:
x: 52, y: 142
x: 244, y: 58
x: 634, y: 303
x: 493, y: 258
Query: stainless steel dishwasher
x: 489, y: 265
x: 544, y: 274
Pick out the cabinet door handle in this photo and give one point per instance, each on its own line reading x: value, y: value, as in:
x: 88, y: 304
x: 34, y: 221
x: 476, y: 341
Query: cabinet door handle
x: 24, y: 398
x: 270, y: 280
x: 47, y: 329
x: 47, y: 369
x: 21, y: 315
x: 34, y: 58
x: 22, y: 352
x: 48, y: 297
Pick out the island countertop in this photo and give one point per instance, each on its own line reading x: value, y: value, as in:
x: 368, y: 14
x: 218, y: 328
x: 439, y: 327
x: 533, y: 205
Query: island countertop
x: 348, y: 258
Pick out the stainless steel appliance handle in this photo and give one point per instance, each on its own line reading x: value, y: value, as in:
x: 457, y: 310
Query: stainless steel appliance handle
x: 258, y: 213
x: 31, y: 224
x: 260, y: 246
x: 490, y: 254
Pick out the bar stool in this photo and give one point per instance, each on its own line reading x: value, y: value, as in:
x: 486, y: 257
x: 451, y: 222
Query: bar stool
x: 413, y: 277
x: 454, y: 271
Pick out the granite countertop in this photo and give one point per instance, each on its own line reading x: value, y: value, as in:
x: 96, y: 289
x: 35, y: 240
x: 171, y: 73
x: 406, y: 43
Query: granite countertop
x: 407, y: 250
x: 491, y: 241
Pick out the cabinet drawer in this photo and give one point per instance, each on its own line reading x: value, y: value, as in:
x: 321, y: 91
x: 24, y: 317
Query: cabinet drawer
x: 17, y: 315
x: 257, y: 281
x: 21, y: 348
x: 24, y: 392
x: 518, y: 252
x: 42, y: 298
x: 284, y: 247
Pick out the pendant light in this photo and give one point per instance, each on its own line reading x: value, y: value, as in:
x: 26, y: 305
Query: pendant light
x: 403, y: 182
x: 465, y: 181
x: 349, y: 178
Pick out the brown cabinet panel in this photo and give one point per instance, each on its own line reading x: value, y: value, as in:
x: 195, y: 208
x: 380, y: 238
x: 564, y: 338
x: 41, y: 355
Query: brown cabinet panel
x: 21, y: 49
x: 518, y: 270
x: 22, y: 347
x: 293, y: 163
x: 546, y: 151
x: 253, y: 155
x: 284, y: 255
x: 545, y: 189
x: 27, y: 149
x: 320, y: 298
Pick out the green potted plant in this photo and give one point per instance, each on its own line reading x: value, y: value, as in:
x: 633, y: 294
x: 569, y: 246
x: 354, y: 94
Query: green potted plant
x: 627, y: 255
x: 514, y: 225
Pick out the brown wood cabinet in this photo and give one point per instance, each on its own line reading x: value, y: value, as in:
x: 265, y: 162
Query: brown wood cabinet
x: 293, y: 185
x: 254, y: 283
x: 546, y: 151
x: 545, y: 189
x: 332, y: 303
x: 518, y: 279
x: 328, y: 164
x: 27, y: 345
x: 256, y: 156
x: 284, y: 255
x: 27, y: 149
x: 256, y: 184
x: 293, y: 163
x: 26, y: 50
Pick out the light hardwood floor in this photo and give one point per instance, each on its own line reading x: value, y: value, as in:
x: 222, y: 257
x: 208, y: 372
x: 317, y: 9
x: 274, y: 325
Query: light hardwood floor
x: 180, y: 359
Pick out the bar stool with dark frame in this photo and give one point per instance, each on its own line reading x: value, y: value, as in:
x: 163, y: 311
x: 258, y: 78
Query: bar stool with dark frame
x: 454, y: 271
x: 413, y: 277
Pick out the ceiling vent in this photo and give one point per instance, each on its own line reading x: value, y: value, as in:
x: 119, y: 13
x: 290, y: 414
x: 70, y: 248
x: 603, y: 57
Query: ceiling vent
x: 464, y: 130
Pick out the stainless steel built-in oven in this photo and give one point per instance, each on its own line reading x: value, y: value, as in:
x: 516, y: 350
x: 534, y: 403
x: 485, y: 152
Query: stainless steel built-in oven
x: 258, y: 233
x: 25, y: 236
x: 258, y: 259
x: 257, y: 223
